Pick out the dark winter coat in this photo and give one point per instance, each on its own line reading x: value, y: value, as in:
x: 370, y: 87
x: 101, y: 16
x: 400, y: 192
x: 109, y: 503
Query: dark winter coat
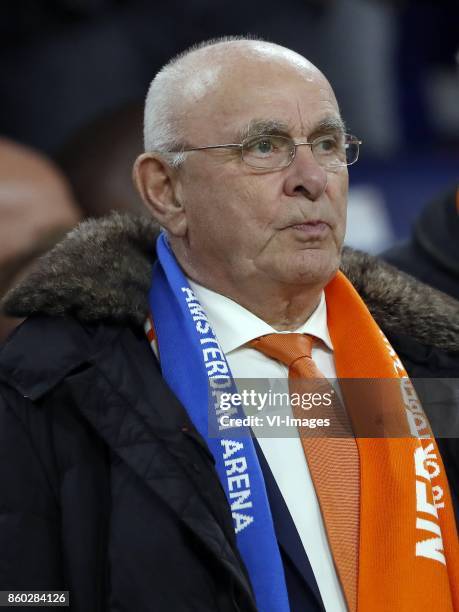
x: 106, y: 488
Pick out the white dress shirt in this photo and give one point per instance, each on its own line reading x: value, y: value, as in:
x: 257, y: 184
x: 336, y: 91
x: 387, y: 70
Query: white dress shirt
x: 234, y: 326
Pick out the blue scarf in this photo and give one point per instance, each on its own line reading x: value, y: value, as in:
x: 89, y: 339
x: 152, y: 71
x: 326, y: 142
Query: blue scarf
x: 196, y: 370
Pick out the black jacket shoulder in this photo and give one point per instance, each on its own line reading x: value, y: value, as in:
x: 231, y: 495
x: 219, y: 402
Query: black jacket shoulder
x: 106, y: 486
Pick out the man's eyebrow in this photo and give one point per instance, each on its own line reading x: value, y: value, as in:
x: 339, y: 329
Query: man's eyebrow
x: 329, y: 124
x: 258, y: 127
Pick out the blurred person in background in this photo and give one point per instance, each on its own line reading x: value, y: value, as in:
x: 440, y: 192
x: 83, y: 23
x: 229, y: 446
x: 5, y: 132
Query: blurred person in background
x: 111, y: 485
x: 97, y: 160
x: 37, y: 209
x: 432, y: 252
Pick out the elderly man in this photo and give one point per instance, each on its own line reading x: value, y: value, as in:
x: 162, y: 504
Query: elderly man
x: 112, y: 485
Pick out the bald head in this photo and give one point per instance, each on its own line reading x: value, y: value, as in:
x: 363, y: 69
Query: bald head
x: 35, y: 200
x: 36, y: 209
x: 207, y: 73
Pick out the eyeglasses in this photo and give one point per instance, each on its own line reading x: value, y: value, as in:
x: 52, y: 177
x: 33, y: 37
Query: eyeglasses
x: 273, y: 152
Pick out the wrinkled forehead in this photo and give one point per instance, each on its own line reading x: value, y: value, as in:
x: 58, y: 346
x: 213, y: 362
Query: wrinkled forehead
x: 222, y: 98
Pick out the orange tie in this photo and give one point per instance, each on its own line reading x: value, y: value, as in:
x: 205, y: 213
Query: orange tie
x: 333, y: 461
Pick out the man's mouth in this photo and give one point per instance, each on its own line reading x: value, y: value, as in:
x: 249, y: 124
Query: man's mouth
x: 311, y: 229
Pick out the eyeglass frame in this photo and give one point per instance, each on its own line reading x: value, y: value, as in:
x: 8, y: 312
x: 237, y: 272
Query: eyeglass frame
x: 287, y: 138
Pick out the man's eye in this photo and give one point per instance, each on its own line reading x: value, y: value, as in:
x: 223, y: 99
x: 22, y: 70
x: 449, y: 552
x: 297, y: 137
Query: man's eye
x: 329, y: 144
x: 263, y: 146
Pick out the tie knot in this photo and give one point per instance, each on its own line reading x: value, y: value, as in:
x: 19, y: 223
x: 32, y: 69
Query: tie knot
x: 286, y: 348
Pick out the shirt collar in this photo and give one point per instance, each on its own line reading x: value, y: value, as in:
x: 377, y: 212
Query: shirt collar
x: 234, y: 325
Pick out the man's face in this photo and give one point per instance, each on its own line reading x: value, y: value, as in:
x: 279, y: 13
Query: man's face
x: 284, y: 226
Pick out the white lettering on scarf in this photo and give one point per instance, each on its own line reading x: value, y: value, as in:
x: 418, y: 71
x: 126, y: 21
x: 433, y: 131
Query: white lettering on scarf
x: 431, y: 548
x: 415, y: 414
x: 238, y: 483
x: 220, y: 380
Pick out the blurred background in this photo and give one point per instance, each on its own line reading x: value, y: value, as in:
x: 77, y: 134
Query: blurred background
x: 74, y: 74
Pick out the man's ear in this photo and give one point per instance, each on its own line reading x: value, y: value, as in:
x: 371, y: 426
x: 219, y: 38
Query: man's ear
x: 156, y: 182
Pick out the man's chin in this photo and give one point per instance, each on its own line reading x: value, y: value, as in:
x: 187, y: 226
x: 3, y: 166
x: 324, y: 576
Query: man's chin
x: 314, y: 268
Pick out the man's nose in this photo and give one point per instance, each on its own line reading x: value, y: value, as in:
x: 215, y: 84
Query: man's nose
x: 305, y: 175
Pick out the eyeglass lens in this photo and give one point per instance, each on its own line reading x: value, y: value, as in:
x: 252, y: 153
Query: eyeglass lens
x: 271, y: 151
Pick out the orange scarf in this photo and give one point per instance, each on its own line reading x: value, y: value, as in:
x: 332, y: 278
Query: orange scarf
x: 409, y: 551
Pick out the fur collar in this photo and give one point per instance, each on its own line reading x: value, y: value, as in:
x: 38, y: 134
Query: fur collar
x: 102, y: 270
